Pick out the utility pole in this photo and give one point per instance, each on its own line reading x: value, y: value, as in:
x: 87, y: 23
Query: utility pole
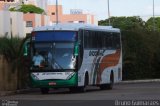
x: 56, y: 11
x: 153, y: 17
x: 109, y: 14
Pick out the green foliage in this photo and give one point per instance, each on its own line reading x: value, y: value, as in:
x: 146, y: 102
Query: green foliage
x: 12, y: 9
x: 149, y: 24
x: 28, y: 9
x: 125, y: 23
x: 141, y: 54
x: 132, y: 23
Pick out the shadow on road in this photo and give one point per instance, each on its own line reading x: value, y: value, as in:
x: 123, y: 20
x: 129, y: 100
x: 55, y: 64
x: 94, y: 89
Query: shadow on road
x: 58, y: 91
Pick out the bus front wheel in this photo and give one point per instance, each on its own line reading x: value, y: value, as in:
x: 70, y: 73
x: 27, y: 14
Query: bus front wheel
x: 81, y: 88
x: 86, y: 82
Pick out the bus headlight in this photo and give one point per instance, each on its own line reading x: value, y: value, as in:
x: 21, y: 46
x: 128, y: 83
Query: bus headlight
x: 34, y: 77
x: 70, y: 76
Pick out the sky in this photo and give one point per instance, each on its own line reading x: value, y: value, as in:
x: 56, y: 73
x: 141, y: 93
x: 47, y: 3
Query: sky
x: 142, y: 8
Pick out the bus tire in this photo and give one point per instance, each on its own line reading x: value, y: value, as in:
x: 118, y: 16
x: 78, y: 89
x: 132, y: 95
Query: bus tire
x: 110, y: 85
x: 44, y: 90
x: 86, y: 81
x: 73, y: 89
x: 81, y: 88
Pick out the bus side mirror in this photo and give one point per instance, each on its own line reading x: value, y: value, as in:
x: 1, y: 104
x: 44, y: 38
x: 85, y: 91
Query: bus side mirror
x: 25, y: 49
x: 76, y: 50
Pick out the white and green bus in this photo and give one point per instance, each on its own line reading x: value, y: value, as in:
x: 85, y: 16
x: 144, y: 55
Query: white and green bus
x: 76, y: 56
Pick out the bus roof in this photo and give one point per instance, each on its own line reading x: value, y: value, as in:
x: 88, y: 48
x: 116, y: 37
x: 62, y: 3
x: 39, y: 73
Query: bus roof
x: 76, y: 27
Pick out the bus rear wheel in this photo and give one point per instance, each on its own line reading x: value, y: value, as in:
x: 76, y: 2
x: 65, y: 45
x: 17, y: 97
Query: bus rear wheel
x: 110, y: 85
x: 44, y: 90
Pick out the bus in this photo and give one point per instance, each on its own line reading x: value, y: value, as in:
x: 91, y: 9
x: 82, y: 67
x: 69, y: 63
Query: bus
x: 75, y: 56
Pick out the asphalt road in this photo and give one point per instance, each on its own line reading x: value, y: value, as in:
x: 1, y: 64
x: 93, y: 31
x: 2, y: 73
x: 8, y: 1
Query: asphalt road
x: 139, y: 91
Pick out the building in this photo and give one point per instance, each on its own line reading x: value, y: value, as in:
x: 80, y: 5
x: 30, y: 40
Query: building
x: 75, y: 16
x: 5, y: 25
x: 42, y: 4
x: 6, y: 4
x: 20, y: 24
x: 17, y: 23
x: 34, y: 20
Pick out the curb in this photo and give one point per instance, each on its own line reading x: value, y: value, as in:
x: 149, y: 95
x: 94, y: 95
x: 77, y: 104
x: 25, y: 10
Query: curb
x: 6, y: 93
x: 27, y: 90
x: 139, y: 81
x: 23, y: 90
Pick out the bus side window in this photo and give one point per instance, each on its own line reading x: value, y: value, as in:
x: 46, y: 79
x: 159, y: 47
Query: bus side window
x: 116, y: 40
x: 86, y: 39
x: 108, y: 40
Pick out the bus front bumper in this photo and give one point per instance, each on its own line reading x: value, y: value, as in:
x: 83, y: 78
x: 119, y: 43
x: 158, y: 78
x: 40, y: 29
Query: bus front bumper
x: 55, y: 83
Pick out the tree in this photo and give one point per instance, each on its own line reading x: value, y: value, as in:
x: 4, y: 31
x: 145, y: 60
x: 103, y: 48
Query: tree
x: 150, y: 25
x: 125, y: 23
x: 28, y: 9
x: 141, y: 54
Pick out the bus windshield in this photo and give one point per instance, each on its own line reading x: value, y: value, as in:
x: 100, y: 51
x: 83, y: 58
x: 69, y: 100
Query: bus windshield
x: 55, y: 55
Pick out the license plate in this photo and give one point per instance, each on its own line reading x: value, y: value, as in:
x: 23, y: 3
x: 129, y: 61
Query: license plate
x: 52, y: 83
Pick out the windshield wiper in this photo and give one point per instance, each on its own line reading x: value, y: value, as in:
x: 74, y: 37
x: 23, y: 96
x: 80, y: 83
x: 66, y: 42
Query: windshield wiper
x: 56, y: 65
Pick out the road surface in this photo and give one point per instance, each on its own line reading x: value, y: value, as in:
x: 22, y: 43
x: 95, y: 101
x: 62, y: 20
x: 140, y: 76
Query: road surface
x: 139, y: 91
